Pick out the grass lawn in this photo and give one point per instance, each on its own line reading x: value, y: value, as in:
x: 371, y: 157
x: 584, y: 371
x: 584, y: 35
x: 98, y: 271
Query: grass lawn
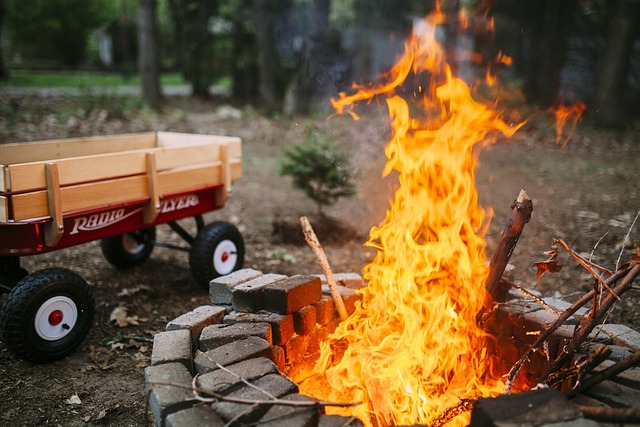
x: 80, y: 79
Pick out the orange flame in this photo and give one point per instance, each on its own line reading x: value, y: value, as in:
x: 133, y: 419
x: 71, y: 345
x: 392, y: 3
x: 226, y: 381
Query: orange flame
x: 412, y: 348
x: 564, y: 113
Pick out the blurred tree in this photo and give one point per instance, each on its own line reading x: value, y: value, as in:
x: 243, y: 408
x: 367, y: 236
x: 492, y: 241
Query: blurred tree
x: 263, y: 18
x: 4, y: 73
x: 195, y: 42
x: 541, y: 53
x: 148, y: 56
x: 54, y: 29
x: 610, y: 107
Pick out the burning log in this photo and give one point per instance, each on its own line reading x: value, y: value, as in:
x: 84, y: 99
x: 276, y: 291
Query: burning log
x: 521, y: 214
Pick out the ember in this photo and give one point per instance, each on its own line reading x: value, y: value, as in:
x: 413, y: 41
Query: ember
x: 412, y: 350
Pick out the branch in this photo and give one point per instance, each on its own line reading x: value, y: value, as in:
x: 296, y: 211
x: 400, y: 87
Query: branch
x: 611, y: 415
x: 605, y: 374
x: 515, y: 369
x: 521, y: 214
x: 313, y: 242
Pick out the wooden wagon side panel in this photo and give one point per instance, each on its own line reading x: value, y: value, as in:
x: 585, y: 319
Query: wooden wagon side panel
x: 38, y: 151
x: 4, y: 209
x: 75, y: 170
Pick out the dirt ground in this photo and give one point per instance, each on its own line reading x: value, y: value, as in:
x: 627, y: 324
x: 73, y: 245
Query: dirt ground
x: 586, y: 193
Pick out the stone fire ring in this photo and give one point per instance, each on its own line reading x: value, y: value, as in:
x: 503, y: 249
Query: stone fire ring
x: 259, y: 326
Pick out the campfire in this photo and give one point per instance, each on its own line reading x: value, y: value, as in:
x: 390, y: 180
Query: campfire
x: 414, y: 350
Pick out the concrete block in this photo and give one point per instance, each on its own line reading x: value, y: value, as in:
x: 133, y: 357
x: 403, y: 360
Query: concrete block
x: 223, y: 382
x: 349, y: 280
x: 196, y: 320
x: 296, y: 348
x: 291, y: 295
x: 172, y: 346
x: 220, y: 288
x: 247, y: 296
x: 304, y: 320
x: 291, y: 416
x: 166, y: 399
x: 217, y: 335
x: 281, y: 324
x: 616, y: 395
x: 325, y: 310
x: 630, y: 377
x: 201, y: 416
x: 279, y: 357
x: 537, y: 407
x: 231, y: 353
x: 275, y: 384
x: 623, y: 335
x: 338, y: 421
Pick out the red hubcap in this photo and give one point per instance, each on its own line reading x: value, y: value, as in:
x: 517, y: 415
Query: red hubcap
x: 225, y: 256
x: 55, y: 317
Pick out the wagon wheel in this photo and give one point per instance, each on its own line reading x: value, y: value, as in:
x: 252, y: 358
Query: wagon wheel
x: 10, y: 272
x: 129, y: 249
x: 47, y: 315
x: 217, y: 250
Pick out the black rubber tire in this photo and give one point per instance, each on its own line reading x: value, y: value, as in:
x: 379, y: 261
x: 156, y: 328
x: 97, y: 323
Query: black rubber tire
x: 202, y: 254
x: 20, y: 311
x: 10, y: 272
x: 118, y: 251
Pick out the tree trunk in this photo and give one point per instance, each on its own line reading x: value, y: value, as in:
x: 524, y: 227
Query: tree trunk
x: 263, y: 19
x: 148, y: 53
x: 546, y: 27
x: 609, y: 107
x: 4, y: 73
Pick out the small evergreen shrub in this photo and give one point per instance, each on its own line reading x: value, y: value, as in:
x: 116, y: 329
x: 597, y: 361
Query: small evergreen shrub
x: 321, y: 170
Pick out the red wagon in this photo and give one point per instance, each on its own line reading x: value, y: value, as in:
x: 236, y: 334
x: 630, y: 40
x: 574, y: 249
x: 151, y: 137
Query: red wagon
x: 60, y: 193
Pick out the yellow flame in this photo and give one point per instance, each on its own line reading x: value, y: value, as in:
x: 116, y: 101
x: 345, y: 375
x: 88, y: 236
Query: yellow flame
x: 563, y: 114
x: 412, y: 348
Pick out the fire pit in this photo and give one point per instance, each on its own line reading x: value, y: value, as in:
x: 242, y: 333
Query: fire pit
x: 235, y: 360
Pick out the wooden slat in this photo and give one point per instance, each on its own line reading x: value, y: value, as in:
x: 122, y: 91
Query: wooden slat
x: 167, y: 139
x: 73, y: 147
x: 106, y: 193
x: 152, y: 208
x: 30, y: 176
x: 4, y: 209
x: 53, y: 230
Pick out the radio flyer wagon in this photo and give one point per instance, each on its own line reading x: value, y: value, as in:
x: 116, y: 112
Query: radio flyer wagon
x: 117, y: 189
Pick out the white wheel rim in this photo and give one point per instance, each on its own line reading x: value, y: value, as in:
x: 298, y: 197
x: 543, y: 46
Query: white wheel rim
x: 56, y: 318
x: 225, y: 257
x: 131, y: 245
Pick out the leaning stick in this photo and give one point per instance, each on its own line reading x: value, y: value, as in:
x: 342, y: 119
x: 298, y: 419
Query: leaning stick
x: 610, y: 372
x: 521, y: 214
x: 313, y: 242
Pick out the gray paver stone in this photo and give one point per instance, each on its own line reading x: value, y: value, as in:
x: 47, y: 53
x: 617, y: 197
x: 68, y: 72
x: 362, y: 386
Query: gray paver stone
x: 223, y: 382
x: 197, y: 319
x: 172, y: 346
x: 325, y: 310
x: 217, y: 335
x: 304, y: 320
x: 166, y: 399
x: 629, y: 377
x: 291, y: 295
x: 247, y: 296
x: 201, y: 416
x: 338, y: 421
x: 220, y: 288
x: 281, y: 324
x: 275, y: 384
x: 231, y: 353
x: 291, y: 416
x: 623, y: 335
x: 537, y: 407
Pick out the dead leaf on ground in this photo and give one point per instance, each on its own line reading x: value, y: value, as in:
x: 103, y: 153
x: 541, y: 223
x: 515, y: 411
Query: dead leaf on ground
x: 73, y: 400
x: 120, y: 317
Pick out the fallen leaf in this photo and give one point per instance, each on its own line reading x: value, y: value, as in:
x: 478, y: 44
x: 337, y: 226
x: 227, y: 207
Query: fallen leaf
x: 73, y: 400
x: 120, y: 317
x: 102, y: 414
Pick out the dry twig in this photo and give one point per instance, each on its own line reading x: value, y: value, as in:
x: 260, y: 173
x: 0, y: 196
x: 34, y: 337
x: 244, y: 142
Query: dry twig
x: 312, y: 241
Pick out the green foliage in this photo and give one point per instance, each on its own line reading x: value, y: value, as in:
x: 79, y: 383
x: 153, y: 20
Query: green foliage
x: 58, y: 28
x: 322, y: 171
